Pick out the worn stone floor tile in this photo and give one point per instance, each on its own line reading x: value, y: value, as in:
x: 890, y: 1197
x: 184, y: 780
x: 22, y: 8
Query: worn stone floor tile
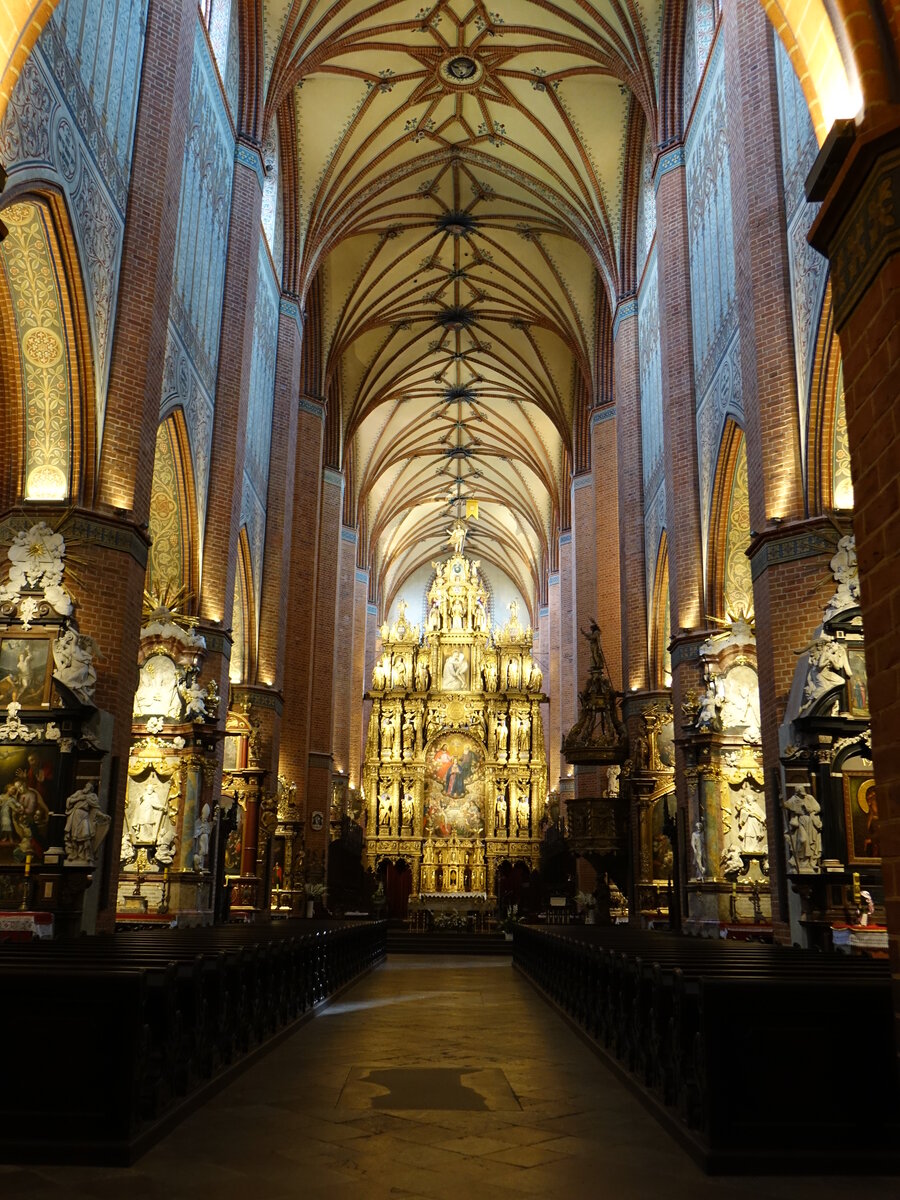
x: 542, y: 1118
x: 527, y: 1156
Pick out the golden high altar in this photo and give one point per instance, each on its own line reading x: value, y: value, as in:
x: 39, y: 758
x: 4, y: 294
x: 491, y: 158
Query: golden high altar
x: 455, y: 774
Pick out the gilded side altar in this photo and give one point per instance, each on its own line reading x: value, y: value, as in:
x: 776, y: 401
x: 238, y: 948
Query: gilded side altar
x: 455, y: 774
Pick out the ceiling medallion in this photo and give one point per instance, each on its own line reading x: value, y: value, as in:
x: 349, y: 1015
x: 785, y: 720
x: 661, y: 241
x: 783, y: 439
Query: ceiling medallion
x: 461, y: 71
x: 459, y: 394
x: 456, y: 317
x: 458, y: 224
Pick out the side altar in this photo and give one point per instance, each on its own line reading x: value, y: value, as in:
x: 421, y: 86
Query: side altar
x: 455, y: 773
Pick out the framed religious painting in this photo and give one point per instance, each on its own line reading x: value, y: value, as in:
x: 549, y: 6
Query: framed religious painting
x: 861, y: 818
x: 28, y: 782
x: 857, y: 684
x: 26, y: 668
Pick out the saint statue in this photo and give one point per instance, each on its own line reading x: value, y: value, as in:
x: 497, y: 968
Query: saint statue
x: 86, y: 826
x: 524, y: 726
x: 502, y: 734
x: 147, y: 814
x: 385, y: 812
x: 500, y: 813
x: 512, y: 672
x: 697, y: 851
x: 804, y: 829
x: 423, y: 675
x: 457, y: 537
x: 202, y: 830
x: 407, y: 811
x: 387, y: 735
x: 409, y: 736
x: 522, y: 816
x: 456, y: 672
x: 751, y: 819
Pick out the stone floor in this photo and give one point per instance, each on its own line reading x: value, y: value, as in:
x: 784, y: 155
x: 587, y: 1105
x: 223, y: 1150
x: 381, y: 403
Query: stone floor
x: 519, y: 1108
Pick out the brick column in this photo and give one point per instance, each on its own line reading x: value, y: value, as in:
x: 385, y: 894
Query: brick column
x: 229, y: 436
x: 345, y: 652
x: 293, y: 758
x: 542, y: 657
x: 273, y: 612
x: 606, y: 542
x: 360, y: 678
x: 858, y: 227
x: 584, y: 577
x: 552, y: 681
x: 787, y: 600
x: 568, y: 691
x: 371, y: 622
x: 113, y: 553
x: 682, y: 493
x: 327, y: 660
x: 632, y: 566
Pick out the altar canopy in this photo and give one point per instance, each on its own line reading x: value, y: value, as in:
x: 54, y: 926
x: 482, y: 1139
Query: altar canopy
x: 455, y: 772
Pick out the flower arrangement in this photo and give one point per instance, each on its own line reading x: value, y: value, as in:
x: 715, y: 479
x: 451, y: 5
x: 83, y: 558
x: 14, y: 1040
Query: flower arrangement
x: 585, y: 901
x: 450, y: 920
x: 511, y: 919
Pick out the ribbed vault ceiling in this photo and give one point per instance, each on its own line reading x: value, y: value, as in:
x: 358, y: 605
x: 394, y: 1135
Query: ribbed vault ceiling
x: 459, y: 194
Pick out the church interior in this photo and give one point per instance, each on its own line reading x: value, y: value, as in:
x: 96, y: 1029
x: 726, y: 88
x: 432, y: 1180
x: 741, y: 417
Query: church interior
x: 448, y: 581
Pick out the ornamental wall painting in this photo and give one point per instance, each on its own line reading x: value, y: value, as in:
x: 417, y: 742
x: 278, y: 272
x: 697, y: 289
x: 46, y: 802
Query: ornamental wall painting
x: 454, y: 788
x: 27, y: 790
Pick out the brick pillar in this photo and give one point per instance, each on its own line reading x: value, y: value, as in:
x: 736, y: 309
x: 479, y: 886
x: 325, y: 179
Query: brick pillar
x: 857, y: 228
x: 328, y: 659
x: 542, y: 656
x: 584, y: 577
x: 345, y: 652
x: 568, y: 691
x: 293, y: 758
x: 229, y: 436
x: 682, y: 494
x: 273, y: 612
x: 360, y: 678
x: 552, y: 684
x: 632, y: 566
x: 606, y: 542
x: 371, y: 621
x: 113, y: 553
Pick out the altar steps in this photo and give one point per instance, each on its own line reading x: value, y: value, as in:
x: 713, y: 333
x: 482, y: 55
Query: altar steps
x: 401, y: 941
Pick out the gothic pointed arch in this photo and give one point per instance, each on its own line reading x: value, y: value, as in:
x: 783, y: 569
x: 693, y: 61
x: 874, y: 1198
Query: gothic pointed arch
x: 660, y: 623
x: 829, y: 485
x: 729, y: 587
x: 47, y: 388
x: 172, y: 560
x: 243, y: 616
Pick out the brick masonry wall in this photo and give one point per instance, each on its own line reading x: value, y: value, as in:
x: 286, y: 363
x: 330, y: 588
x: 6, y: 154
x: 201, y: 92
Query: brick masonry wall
x: 680, y: 450
x: 584, y: 577
x: 301, y: 597
x: 605, y: 517
x: 345, y: 698
x: 360, y: 680
x: 326, y: 665
x: 273, y: 616
x: 632, y: 574
x: 788, y: 595
x: 552, y: 681
x: 568, y: 695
